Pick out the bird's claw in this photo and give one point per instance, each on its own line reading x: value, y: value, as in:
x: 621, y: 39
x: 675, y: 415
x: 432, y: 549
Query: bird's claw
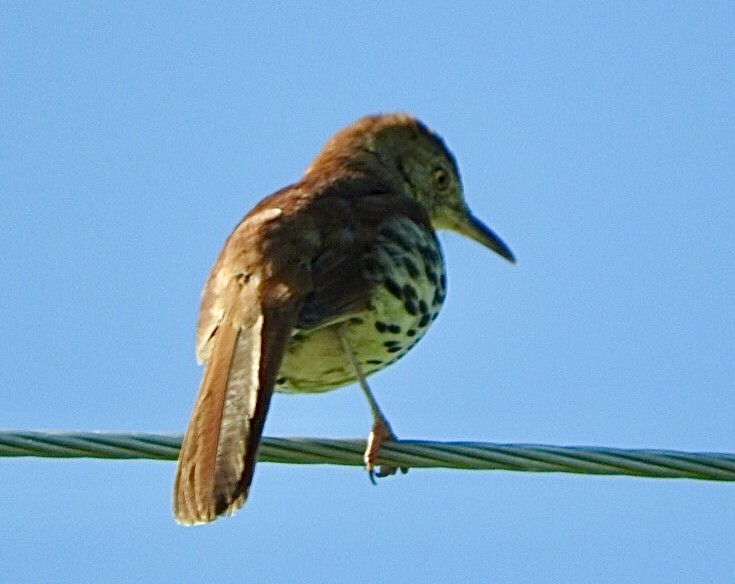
x: 379, y: 434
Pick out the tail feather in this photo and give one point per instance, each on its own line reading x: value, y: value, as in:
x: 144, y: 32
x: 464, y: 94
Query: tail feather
x: 219, y: 450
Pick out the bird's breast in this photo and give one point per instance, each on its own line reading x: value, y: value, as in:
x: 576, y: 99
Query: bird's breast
x: 406, y: 269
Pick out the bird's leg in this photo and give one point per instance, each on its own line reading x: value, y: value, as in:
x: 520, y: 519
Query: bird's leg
x: 381, y: 431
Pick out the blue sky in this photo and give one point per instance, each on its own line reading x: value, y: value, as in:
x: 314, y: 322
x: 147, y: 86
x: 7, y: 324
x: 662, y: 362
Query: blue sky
x: 597, y: 138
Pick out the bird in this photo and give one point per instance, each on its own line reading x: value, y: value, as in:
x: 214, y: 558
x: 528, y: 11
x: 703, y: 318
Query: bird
x: 321, y: 284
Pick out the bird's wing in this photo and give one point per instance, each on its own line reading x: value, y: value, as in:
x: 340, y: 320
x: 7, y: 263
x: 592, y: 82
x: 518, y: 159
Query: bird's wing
x: 345, y: 270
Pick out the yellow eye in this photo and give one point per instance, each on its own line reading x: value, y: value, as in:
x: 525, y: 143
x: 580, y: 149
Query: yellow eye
x: 440, y: 179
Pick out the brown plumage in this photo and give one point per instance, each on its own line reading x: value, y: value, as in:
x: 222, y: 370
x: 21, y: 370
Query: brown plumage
x: 310, y: 274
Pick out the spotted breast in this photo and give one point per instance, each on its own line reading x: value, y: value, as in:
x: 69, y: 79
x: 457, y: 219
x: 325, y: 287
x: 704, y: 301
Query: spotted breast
x: 406, y: 267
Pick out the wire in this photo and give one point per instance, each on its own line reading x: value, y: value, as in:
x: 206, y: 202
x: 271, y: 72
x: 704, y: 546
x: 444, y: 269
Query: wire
x: 403, y: 453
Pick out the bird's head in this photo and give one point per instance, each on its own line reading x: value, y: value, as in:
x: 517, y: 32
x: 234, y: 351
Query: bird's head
x: 415, y: 160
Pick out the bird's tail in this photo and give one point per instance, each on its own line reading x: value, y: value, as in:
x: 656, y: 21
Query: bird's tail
x: 219, y: 450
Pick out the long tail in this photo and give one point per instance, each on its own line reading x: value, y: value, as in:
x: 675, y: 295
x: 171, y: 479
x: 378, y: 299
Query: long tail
x: 218, y: 454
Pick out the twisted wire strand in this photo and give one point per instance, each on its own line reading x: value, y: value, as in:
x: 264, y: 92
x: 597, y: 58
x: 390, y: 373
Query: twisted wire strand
x: 403, y: 453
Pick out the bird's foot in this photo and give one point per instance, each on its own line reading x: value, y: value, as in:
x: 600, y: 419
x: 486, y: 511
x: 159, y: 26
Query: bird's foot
x: 379, y: 434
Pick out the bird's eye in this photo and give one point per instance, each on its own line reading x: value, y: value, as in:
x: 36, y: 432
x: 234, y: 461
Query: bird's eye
x: 440, y: 179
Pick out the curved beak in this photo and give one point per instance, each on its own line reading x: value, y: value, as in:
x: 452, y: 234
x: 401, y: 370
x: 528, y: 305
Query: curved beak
x: 465, y: 223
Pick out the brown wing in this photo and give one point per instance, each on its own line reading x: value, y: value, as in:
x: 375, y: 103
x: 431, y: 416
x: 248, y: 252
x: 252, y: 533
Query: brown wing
x: 349, y: 214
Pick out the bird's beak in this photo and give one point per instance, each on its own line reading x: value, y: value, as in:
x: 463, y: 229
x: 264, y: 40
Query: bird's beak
x: 465, y: 223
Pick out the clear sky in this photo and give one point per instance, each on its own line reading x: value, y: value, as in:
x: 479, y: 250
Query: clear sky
x: 597, y: 138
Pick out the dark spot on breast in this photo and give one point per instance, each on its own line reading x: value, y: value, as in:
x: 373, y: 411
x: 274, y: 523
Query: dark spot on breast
x: 411, y: 333
x: 281, y: 381
x: 411, y: 306
x: 409, y: 291
x: 393, y: 349
x: 423, y: 307
x: 429, y: 254
x: 411, y: 267
x: 443, y: 280
x: 391, y: 343
x: 374, y: 362
x: 425, y: 320
x: 393, y: 288
x: 381, y: 327
x: 395, y: 237
x: 356, y: 320
x: 394, y: 328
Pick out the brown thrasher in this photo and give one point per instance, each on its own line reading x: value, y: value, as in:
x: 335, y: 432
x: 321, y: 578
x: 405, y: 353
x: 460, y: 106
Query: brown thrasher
x: 320, y: 285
